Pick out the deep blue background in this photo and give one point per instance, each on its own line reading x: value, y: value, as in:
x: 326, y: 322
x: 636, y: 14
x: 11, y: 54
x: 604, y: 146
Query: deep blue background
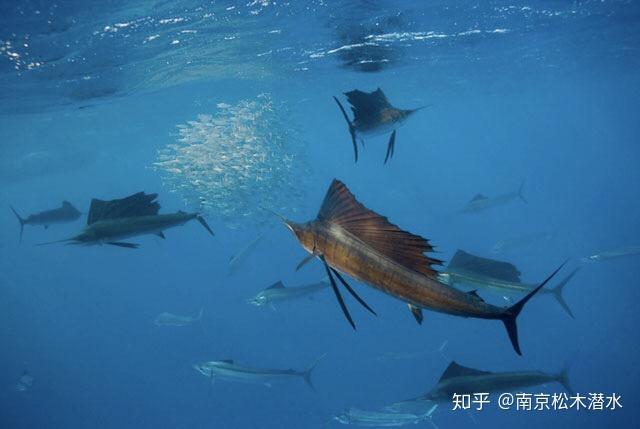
x: 554, y: 101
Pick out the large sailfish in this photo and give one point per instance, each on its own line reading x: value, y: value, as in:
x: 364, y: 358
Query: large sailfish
x: 351, y: 239
x: 373, y: 115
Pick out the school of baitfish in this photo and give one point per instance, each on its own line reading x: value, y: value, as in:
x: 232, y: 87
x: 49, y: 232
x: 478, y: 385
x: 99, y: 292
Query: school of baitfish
x: 243, y: 163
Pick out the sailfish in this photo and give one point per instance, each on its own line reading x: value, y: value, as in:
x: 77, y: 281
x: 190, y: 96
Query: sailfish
x: 351, y: 239
x: 373, y: 115
x: 110, y: 222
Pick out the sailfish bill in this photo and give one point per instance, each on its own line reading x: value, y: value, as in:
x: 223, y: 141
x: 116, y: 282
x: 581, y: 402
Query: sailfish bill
x: 353, y: 240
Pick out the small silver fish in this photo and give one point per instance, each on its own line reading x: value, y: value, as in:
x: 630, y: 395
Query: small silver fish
x: 170, y: 319
x: 613, y: 254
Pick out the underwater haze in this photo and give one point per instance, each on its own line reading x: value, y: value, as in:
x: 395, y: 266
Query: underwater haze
x: 525, y: 153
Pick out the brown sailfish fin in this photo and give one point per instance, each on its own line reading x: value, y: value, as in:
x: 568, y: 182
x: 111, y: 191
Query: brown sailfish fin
x: 341, y: 207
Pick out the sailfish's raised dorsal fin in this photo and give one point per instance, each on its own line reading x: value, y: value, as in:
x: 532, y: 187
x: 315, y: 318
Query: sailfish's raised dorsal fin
x: 366, y: 106
x: 456, y: 370
x: 139, y: 204
x: 341, y: 207
x: 277, y: 285
x: 485, y: 266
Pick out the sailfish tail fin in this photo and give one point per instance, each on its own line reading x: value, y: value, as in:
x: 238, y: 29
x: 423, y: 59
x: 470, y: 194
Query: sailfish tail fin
x: 20, y: 219
x: 307, y: 373
x: 352, y: 129
x: 563, y: 379
x: 557, y: 293
x: 510, y: 315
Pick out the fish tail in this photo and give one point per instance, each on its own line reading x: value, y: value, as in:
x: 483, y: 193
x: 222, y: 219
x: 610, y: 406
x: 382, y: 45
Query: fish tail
x: 510, y: 315
x: 557, y: 293
x: 563, y: 379
x: 352, y: 128
x: 520, y: 194
x: 20, y: 219
x: 307, y: 374
x: 205, y: 224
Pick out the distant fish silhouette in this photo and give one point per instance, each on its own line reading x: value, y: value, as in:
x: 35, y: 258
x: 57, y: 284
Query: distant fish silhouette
x: 481, y: 202
x: 63, y: 214
x: 373, y: 115
x: 464, y: 380
x: 498, y: 276
x: 109, y: 222
x: 24, y: 382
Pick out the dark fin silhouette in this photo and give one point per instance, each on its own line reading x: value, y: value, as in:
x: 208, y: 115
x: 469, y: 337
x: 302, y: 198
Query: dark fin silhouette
x: 21, y: 220
x: 352, y: 292
x: 474, y: 294
x: 161, y: 235
x: 485, y: 266
x: 478, y: 197
x: 139, y: 204
x: 126, y: 245
x: 417, y: 313
x: 342, y: 208
x: 305, y: 261
x: 563, y: 379
x: 276, y: 285
x: 68, y: 205
x: 336, y: 291
x: 510, y: 315
x: 229, y: 361
x: 352, y: 129
x: 204, y: 223
x: 390, y: 147
x: 46, y: 226
x: 557, y: 292
x: 366, y: 106
x: 307, y: 373
x: 520, y: 194
x: 456, y: 370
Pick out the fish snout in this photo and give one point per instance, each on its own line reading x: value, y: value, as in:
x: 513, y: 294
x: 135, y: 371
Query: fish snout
x: 257, y: 301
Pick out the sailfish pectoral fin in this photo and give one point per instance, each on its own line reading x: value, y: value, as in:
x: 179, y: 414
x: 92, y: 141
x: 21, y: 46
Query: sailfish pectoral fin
x: 345, y: 310
x: 204, y: 224
x: 352, y: 129
x: 417, y: 313
x: 306, y: 260
x: 390, y: 147
x: 352, y: 292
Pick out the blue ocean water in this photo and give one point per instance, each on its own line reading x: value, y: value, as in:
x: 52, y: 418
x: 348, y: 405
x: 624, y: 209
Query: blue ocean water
x: 546, y: 93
